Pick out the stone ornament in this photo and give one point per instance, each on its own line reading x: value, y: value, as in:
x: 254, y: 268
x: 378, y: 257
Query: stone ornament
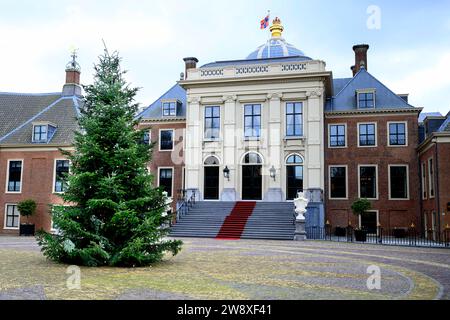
x: 300, y: 206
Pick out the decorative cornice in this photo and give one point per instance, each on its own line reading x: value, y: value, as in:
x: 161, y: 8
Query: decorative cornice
x: 179, y: 119
x: 317, y: 93
x: 193, y: 100
x: 229, y: 98
x: 368, y: 112
x: 274, y: 96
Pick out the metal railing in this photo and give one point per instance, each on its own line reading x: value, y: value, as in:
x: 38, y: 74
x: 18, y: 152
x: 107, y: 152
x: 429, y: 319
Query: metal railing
x: 185, y: 202
x: 397, y: 236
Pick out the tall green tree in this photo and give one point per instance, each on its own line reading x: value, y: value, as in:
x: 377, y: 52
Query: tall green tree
x: 116, y: 216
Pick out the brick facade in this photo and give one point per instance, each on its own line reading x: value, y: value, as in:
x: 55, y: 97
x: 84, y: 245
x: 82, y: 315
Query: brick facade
x: 37, y: 184
x: 435, y: 211
x: 168, y: 159
x: 391, y: 213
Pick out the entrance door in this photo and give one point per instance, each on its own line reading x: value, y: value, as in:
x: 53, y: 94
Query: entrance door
x: 211, y: 183
x: 369, y: 222
x: 251, y: 182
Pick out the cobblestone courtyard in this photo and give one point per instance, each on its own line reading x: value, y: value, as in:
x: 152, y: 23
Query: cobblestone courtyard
x: 212, y: 269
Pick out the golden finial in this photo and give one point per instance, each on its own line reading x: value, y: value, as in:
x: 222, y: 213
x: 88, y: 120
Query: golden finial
x: 447, y: 227
x: 413, y: 225
x: 328, y: 222
x: 276, y: 28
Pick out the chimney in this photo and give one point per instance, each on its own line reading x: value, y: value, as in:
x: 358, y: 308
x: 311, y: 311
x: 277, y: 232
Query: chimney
x: 360, y: 57
x: 73, y: 70
x: 191, y: 63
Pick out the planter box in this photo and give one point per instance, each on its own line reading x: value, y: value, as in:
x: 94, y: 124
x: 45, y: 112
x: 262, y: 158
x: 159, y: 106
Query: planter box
x: 339, y: 232
x: 400, y: 232
x: 361, y: 235
x: 27, y: 229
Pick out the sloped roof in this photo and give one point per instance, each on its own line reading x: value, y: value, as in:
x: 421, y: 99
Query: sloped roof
x: 445, y: 127
x: 19, y: 111
x: 424, y: 115
x: 345, y: 93
x: 154, y: 111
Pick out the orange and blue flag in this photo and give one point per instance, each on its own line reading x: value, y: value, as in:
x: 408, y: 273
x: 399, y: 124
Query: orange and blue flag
x: 265, y: 22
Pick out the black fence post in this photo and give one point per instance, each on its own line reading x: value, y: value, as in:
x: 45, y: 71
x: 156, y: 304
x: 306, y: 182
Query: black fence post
x: 412, y: 235
x: 349, y: 233
x: 380, y: 234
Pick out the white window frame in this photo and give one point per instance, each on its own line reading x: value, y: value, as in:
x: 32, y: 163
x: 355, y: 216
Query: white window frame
x: 407, y: 182
x: 204, y: 122
x: 5, y: 218
x: 431, y: 184
x: 21, y: 176
x: 54, y: 173
x: 376, y: 134
x: 370, y: 90
x: 40, y: 125
x: 423, y: 179
x: 406, y: 134
x: 173, y: 178
x: 173, y: 140
x: 253, y: 138
x: 285, y: 119
x: 329, y: 135
x: 329, y: 181
x: 376, y: 178
x: 162, y: 108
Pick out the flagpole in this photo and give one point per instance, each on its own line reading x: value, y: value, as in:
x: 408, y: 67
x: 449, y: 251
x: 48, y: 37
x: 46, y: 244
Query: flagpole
x: 268, y: 49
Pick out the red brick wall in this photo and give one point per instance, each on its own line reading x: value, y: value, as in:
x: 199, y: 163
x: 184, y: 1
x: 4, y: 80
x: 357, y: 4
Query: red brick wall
x: 37, y: 184
x: 170, y: 159
x: 392, y: 213
x: 441, y: 160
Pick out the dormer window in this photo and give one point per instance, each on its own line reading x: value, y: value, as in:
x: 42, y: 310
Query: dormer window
x: 43, y: 132
x: 169, y: 109
x: 366, y: 99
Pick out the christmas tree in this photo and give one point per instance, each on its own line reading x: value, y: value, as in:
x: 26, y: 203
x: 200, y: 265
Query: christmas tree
x: 115, y: 216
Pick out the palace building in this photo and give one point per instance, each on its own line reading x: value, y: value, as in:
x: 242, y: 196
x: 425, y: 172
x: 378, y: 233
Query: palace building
x: 243, y: 137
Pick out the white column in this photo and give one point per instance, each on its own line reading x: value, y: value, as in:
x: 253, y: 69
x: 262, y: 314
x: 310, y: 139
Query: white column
x: 193, y: 152
x: 229, y: 148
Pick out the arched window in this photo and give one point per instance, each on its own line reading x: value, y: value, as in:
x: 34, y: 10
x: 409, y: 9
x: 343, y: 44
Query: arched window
x: 252, y: 158
x: 211, y: 161
x: 294, y: 176
x: 294, y: 159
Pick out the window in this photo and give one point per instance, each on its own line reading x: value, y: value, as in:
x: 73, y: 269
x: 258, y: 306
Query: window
x: 252, y: 120
x: 14, y: 176
x: 367, y: 135
x: 398, y: 182
x: 61, y: 171
x: 12, y: 217
x: 397, y: 134
x: 165, y: 180
x: 294, y: 119
x: 338, y: 182
x: 40, y: 133
x: 147, y: 138
x: 366, y: 100
x: 212, y: 122
x: 169, y: 109
x: 337, y: 135
x: 294, y: 176
x: 368, y: 182
x: 424, y: 181
x: 166, y: 140
x: 431, y: 177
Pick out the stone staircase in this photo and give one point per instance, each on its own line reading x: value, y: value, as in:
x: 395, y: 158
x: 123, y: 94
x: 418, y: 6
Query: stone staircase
x: 267, y: 220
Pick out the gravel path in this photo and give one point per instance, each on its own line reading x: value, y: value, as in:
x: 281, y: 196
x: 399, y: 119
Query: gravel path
x: 245, y: 269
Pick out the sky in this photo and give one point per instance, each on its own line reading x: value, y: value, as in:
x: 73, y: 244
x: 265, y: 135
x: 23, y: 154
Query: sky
x: 409, y: 40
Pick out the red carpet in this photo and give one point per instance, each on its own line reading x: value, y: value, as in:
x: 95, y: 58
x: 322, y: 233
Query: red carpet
x: 234, y: 224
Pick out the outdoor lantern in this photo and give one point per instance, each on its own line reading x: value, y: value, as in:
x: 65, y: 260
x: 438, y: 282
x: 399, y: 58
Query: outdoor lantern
x: 273, y: 172
x: 226, y: 173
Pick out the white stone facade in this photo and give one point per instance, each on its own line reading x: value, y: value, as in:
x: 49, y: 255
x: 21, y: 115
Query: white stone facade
x: 272, y: 85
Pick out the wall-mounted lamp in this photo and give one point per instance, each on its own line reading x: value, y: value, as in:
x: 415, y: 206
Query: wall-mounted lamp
x: 226, y: 173
x: 273, y: 172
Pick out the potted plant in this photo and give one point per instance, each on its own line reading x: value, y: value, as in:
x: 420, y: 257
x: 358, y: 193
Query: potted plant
x: 359, y: 208
x: 27, y: 208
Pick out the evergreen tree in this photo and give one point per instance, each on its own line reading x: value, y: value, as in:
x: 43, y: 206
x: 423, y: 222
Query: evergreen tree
x: 116, y: 216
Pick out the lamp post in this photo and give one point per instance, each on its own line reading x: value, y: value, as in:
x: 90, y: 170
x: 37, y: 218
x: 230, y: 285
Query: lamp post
x: 226, y: 173
x: 273, y: 172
